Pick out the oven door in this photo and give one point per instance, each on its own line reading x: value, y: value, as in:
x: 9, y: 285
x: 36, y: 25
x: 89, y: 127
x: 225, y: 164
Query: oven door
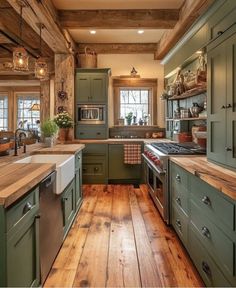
x: 157, y: 186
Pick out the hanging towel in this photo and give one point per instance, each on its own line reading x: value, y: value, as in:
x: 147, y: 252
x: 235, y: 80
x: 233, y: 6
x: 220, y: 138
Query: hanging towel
x: 132, y: 154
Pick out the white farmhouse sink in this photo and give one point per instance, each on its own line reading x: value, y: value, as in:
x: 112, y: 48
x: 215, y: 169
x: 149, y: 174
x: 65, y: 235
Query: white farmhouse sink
x: 65, y: 167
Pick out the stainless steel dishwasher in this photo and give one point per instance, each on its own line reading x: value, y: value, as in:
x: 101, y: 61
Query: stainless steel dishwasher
x: 51, y: 224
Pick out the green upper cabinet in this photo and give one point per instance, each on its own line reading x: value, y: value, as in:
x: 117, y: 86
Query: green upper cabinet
x: 221, y: 99
x: 91, y: 85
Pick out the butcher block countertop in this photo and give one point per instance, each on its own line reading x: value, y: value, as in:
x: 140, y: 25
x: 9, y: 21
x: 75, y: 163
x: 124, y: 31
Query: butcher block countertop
x: 222, y: 179
x: 16, y: 179
x: 60, y: 149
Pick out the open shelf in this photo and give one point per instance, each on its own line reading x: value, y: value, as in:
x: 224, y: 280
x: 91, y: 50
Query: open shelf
x: 186, y: 119
x: 189, y: 93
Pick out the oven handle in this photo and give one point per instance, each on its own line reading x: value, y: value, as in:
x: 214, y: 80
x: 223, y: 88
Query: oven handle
x: 152, y: 165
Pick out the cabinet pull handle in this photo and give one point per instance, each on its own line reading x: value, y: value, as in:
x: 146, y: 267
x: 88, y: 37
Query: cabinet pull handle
x: 38, y: 216
x: 65, y: 199
x: 206, y: 200
x: 81, y: 133
x: 28, y: 206
x: 222, y: 107
x: 229, y: 106
x: 96, y: 169
x: 220, y: 33
x: 206, y: 232
x: 206, y: 268
x: 178, y: 223
x: 98, y: 133
x: 178, y: 200
x: 84, y: 169
x: 178, y: 178
x: 228, y: 149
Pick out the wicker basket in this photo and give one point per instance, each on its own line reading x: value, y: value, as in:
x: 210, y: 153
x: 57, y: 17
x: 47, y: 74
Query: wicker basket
x: 87, y: 59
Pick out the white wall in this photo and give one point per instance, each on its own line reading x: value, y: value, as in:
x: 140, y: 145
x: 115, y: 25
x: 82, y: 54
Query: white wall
x: 147, y: 67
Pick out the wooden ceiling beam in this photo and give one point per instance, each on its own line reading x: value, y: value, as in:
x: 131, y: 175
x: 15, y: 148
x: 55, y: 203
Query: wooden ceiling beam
x: 119, y: 19
x: 120, y: 48
x: 44, y: 12
x: 189, y: 12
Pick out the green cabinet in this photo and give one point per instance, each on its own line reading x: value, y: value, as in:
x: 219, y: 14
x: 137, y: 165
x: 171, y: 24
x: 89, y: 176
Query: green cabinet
x: 91, y: 132
x: 206, y: 226
x: 19, y: 241
x: 221, y: 55
x: 68, y: 206
x: 95, y: 164
x: 91, y: 85
x: 120, y: 172
x: 78, y: 180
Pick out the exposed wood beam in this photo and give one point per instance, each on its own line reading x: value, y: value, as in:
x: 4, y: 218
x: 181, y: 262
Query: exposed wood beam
x: 17, y: 77
x: 4, y: 53
x: 4, y: 39
x: 120, y: 48
x: 9, y: 27
x: 189, y: 12
x: 118, y: 19
x: 43, y: 12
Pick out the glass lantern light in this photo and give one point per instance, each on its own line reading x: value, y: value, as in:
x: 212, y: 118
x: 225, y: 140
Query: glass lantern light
x: 41, y: 69
x: 20, y: 59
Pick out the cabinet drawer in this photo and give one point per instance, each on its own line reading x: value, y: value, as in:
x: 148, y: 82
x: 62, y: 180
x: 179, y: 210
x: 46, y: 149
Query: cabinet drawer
x: 219, y: 246
x: 212, y: 204
x: 95, y: 149
x: 78, y: 160
x: 94, y: 170
x: 210, y: 272
x: 180, y: 198
x: 179, y: 178
x: 23, y: 209
x: 91, y: 132
x: 180, y: 223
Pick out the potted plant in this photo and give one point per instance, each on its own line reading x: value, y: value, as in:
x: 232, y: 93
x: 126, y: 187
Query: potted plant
x: 129, y: 117
x: 64, y: 122
x: 49, y: 129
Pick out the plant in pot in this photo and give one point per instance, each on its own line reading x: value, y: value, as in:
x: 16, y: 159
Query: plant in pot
x: 49, y: 129
x: 129, y: 117
x: 64, y: 122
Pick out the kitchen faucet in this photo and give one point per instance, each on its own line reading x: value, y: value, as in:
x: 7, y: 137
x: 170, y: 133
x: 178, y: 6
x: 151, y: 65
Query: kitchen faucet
x: 16, y: 144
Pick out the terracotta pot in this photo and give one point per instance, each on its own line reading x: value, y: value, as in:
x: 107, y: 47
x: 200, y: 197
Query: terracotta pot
x: 63, y: 134
x: 70, y: 135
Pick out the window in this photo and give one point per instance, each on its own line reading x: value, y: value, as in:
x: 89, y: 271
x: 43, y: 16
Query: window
x: 27, y: 118
x: 136, y: 101
x: 3, y: 112
x: 136, y: 95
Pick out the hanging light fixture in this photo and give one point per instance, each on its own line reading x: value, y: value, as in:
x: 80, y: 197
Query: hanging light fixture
x: 41, y: 67
x: 20, y: 55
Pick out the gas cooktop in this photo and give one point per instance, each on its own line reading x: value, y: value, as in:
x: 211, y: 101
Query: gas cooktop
x: 176, y: 148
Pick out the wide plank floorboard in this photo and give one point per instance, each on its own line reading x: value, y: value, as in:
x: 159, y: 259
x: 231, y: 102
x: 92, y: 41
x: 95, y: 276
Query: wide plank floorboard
x: 118, y: 239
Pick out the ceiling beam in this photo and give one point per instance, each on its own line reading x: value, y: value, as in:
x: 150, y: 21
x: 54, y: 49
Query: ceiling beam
x: 119, y: 19
x: 40, y: 11
x: 120, y: 48
x: 189, y: 12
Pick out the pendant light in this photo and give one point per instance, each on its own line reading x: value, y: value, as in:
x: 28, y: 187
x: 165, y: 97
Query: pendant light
x: 41, y: 67
x: 20, y: 55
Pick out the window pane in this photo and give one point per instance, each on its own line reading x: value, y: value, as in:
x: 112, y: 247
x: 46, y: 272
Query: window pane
x: 144, y: 96
x: 124, y: 96
x: 134, y: 96
x: 3, y: 112
x: 26, y: 118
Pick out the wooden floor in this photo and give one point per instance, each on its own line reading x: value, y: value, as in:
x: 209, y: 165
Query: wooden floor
x: 119, y: 240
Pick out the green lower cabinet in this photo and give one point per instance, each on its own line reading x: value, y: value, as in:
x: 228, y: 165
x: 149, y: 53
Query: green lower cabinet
x: 78, y: 180
x: 208, y: 229
x: 120, y: 172
x: 68, y: 206
x: 23, y: 256
x: 19, y: 242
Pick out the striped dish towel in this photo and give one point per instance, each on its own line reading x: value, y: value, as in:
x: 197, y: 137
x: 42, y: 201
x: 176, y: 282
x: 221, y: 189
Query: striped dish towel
x: 132, y: 154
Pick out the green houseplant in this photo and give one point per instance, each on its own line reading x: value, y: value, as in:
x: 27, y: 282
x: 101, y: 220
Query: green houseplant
x: 64, y: 121
x: 49, y: 129
x: 129, y: 117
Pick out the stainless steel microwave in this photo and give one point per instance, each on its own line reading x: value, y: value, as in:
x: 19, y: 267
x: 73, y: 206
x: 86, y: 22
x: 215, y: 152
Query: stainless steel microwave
x: 91, y: 114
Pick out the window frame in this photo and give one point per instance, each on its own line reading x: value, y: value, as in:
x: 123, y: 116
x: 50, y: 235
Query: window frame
x: 5, y: 93
x: 135, y: 83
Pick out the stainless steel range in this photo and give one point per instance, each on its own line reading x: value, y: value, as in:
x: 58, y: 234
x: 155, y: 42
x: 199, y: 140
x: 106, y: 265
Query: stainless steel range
x: 156, y: 159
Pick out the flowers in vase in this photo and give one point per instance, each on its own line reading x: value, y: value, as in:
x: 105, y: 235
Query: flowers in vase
x: 64, y: 120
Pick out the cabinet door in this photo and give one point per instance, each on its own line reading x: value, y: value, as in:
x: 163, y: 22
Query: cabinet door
x: 83, y: 87
x: 23, y: 255
x: 117, y: 168
x: 231, y: 101
x: 98, y: 87
x: 78, y: 189
x: 217, y: 90
x: 68, y: 206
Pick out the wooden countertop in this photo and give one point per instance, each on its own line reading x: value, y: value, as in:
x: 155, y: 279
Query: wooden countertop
x: 60, y: 149
x: 119, y: 140
x: 16, y: 179
x: 221, y: 178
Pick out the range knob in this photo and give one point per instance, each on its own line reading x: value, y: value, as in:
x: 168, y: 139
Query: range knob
x: 157, y: 161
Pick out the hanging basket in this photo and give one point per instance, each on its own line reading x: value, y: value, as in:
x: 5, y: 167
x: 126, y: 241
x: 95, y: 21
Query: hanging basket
x: 87, y: 59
